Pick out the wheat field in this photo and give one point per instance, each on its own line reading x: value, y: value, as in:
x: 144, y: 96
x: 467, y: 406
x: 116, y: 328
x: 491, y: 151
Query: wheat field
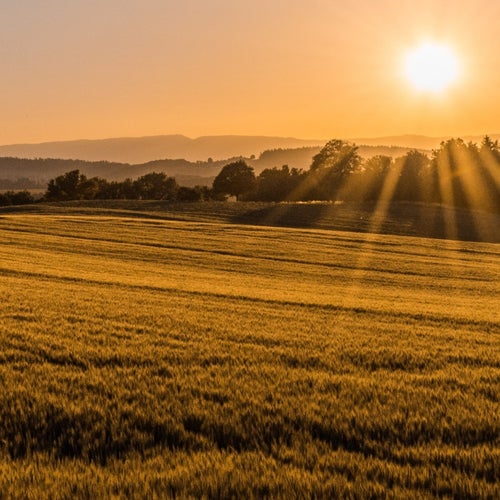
x: 147, y: 358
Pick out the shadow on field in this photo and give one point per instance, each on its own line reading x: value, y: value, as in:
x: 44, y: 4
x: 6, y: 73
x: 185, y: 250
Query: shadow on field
x: 308, y: 215
x: 399, y: 218
x: 436, y: 221
x: 406, y: 219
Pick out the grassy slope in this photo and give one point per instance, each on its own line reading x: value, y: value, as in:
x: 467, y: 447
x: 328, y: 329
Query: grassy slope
x: 140, y: 355
x: 407, y: 219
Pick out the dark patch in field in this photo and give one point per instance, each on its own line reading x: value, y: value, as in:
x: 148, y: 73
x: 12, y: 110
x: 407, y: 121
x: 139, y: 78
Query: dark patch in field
x: 407, y: 219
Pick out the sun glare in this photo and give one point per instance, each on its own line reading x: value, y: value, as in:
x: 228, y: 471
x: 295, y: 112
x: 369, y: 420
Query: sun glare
x: 431, y: 67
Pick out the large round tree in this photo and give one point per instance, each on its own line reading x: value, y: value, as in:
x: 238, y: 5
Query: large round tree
x: 331, y: 168
x: 234, y: 179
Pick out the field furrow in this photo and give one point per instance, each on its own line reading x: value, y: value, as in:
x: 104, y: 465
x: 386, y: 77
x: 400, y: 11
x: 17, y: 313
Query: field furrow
x: 161, y: 358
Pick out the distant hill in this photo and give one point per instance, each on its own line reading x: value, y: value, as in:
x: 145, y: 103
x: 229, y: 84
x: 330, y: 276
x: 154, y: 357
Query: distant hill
x: 302, y: 157
x: 136, y: 150
x: 27, y: 173
x: 190, y: 161
x: 417, y: 141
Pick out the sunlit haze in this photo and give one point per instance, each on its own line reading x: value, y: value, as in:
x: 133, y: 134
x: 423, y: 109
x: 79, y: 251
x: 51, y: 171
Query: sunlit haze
x: 431, y: 67
x: 303, y: 68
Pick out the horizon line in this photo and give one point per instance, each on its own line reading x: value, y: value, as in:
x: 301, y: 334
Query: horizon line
x: 286, y: 137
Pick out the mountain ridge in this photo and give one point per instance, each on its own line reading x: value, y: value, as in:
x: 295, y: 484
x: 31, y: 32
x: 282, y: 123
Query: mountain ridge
x: 135, y: 150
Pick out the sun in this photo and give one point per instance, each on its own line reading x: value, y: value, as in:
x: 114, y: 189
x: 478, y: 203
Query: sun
x: 431, y: 67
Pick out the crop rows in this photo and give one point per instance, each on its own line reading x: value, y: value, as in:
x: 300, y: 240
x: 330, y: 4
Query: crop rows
x: 143, y: 358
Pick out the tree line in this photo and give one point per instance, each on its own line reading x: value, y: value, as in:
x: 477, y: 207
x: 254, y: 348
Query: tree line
x: 74, y: 185
x: 153, y: 186
x: 16, y: 198
x: 456, y: 174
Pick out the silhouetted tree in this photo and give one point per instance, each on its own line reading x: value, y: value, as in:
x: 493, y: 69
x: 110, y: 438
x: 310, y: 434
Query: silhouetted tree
x: 489, y: 155
x: 110, y: 191
x: 412, y: 179
x: 451, y: 161
x: 5, y: 200
x: 196, y: 193
x: 235, y: 179
x: 16, y: 198
x: 64, y: 187
x: 156, y: 186
x: 367, y: 183
x: 488, y: 146
x: 89, y: 189
x: 275, y: 184
x: 127, y: 190
x: 339, y: 155
x: 22, y: 198
x: 331, y: 167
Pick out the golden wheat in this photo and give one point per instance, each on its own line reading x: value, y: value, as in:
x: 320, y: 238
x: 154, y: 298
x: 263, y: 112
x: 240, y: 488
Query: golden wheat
x: 141, y: 357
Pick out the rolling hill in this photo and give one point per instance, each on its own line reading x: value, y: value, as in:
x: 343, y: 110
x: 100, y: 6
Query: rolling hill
x: 26, y: 171
x: 136, y: 150
x: 191, y: 161
x: 143, y: 357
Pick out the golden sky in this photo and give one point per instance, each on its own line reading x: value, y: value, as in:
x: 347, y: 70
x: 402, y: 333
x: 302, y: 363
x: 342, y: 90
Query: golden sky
x: 75, y: 69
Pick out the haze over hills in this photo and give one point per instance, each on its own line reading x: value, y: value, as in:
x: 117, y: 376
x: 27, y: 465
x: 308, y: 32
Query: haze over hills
x: 416, y: 141
x: 136, y: 150
x: 23, y: 173
x: 191, y: 161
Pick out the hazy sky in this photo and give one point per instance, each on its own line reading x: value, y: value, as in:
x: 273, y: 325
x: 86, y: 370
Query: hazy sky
x: 305, y: 68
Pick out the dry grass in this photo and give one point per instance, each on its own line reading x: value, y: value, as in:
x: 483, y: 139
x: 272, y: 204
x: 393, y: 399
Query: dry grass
x: 142, y: 357
x: 397, y: 218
